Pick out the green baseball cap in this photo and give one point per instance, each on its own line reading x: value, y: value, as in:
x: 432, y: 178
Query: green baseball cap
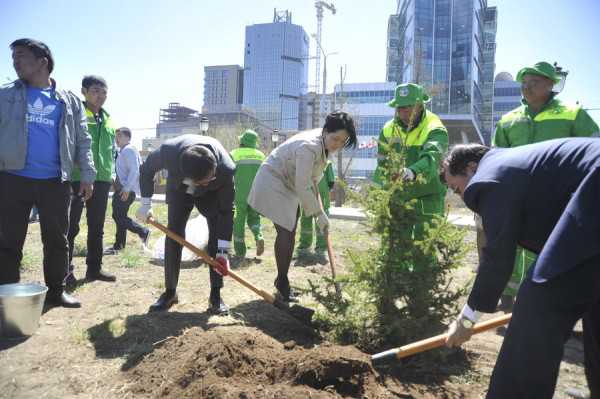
x: 541, y: 69
x: 408, y: 94
x: 249, y: 138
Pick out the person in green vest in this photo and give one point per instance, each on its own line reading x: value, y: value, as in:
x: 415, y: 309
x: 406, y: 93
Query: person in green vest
x: 306, y: 222
x: 247, y: 159
x: 101, y: 129
x: 541, y: 117
x: 421, y: 138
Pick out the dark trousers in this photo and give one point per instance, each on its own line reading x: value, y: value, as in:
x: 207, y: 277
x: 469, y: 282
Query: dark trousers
x: 17, y: 196
x: 95, y: 214
x: 124, y: 222
x: 543, y: 318
x: 179, y: 208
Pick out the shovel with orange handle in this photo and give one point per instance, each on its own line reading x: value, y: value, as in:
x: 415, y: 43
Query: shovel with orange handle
x: 299, y: 312
x: 434, y: 342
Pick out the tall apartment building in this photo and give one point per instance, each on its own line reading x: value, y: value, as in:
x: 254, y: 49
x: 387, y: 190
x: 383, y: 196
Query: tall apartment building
x: 223, y: 88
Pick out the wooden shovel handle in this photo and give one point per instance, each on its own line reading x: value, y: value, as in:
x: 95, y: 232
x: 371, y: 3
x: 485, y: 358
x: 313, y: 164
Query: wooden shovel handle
x: 440, y: 340
x: 329, y: 247
x: 210, y: 260
x: 331, y: 256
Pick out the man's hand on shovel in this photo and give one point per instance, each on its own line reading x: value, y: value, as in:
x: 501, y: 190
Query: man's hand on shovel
x: 459, y: 332
x: 222, y: 259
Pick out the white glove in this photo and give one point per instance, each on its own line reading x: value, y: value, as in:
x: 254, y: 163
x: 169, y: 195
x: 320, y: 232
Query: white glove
x: 191, y: 187
x: 408, y: 175
x: 323, y: 223
x: 460, y: 331
x: 144, y: 211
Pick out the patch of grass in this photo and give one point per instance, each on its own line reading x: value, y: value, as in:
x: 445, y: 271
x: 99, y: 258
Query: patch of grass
x: 159, y: 285
x: 117, y: 327
x: 130, y: 258
x: 80, y: 250
x: 111, y: 328
x: 81, y: 336
x: 30, y: 261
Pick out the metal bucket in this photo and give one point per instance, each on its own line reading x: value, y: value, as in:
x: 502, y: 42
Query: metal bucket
x: 20, y: 308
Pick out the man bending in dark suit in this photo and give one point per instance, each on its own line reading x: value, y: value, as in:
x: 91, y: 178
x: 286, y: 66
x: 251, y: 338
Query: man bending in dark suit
x: 200, y: 174
x: 544, y: 197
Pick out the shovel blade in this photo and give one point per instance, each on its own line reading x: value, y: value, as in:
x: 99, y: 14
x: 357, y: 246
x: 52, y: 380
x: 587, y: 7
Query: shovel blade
x: 385, y: 357
x: 300, y: 313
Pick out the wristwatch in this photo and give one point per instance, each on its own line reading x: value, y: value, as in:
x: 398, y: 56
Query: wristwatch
x: 466, y: 323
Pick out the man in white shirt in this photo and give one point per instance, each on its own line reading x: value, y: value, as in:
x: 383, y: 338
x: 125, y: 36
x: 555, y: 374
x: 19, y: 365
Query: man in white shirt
x: 127, y: 186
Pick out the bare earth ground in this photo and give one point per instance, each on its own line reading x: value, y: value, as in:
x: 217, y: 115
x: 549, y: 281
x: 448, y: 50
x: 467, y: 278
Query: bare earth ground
x: 111, y: 347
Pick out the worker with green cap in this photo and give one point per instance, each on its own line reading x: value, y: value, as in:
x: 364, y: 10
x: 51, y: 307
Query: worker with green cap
x: 306, y: 222
x: 247, y: 159
x: 541, y: 117
x: 419, y: 136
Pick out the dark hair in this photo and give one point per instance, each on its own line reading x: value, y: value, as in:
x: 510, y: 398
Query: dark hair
x: 338, y: 120
x: 197, y: 162
x: 39, y: 50
x: 459, y: 157
x: 90, y: 80
x: 125, y: 130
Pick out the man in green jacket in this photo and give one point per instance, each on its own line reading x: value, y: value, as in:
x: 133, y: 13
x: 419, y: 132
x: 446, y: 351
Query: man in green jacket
x: 541, y: 117
x: 306, y: 222
x: 419, y: 136
x: 247, y: 159
x: 94, y: 89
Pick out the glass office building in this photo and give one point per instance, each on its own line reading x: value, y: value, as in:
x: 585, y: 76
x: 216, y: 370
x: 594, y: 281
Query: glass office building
x: 276, y: 71
x: 367, y: 103
x: 447, y: 46
x: 507, y: 95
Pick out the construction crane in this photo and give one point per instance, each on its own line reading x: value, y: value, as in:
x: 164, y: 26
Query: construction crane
x: 319, y: 5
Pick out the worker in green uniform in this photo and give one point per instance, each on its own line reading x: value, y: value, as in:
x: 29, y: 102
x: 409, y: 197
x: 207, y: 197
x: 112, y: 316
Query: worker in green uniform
x: 247, y: 159
x: 306, y: 222
x: 419, y: 136
x: 541, y: 117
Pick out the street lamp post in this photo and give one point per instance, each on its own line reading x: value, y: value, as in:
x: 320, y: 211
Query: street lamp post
x: 204, y: 125
x: 325, y: 55
x: 275, y: 137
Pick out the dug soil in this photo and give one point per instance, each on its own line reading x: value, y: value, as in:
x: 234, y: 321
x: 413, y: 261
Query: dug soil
x: 113, y: 348
x: 244, y: 363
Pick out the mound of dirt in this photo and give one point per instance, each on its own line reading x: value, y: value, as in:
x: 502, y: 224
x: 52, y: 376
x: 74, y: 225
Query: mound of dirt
x: 238, y: 362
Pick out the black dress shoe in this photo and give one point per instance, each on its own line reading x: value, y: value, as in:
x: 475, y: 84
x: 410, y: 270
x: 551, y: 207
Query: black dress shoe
x: 285, y: 292
x: 218, y: 307
x: 165, y: 301
x: 100, y: 275
x: 61, y: 298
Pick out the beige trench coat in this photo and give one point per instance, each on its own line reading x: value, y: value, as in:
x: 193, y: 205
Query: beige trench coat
x: 288, y: 178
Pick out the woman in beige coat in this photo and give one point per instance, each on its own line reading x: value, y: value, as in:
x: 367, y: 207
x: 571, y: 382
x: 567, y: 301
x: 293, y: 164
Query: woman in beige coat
x: 288, y: 179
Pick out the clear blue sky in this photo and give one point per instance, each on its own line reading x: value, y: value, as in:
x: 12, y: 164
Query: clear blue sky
x: 152, y: 52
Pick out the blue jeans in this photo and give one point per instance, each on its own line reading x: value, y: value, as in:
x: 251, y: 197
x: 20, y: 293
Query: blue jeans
x: 124, y: 222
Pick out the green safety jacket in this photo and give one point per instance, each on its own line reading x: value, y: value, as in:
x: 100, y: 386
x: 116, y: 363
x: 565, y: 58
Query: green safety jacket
x: 555, y: 120
x: 326, y: 184
x: 422, y: 149
x: 247, y: 161
x: 103, y: 141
